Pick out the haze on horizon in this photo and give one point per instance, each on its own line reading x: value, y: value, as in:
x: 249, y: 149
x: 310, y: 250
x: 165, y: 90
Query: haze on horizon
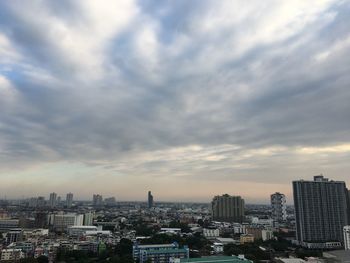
x: 189, y: 99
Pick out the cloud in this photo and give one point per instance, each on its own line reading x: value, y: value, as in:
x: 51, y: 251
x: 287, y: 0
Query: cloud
x: 233, y: 91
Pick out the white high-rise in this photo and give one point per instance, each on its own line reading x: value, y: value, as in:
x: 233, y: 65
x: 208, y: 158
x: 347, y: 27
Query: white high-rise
x: 346, y: 231
x: 69, y: 200
x: 278, y: 205
x: 53, y: 200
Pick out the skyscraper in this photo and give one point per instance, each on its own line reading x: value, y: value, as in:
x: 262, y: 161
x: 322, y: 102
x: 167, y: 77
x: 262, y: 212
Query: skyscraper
x: 97, y: 200
x: 69, y: 200
x: 278, y: 205
x: 150, y: 199
x: 227, y: 208
x: 321, y: 212
x: 53, y: 200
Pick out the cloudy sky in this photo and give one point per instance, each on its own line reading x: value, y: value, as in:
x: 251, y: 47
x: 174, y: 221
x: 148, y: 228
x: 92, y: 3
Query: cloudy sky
x: 188, y: 99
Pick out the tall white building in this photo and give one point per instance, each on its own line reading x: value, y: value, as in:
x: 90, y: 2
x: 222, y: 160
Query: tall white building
x: 88, y: 219
x: 53, y: 200
x: 346, y: 231
x: 69, y: 200
x: 278, y: 205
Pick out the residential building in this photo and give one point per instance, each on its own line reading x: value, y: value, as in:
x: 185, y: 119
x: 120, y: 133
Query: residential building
x: 97, y: 200
x: 321, y: 212
x: 158, y: 253
x: 53, y: 200
x: 80, y: 230
x: 246, y: 238
x: 11, y: 254
x: 69, y: 200
x: 278, y: 205
x: 212, y: 259
x: 6, y: 224
x: 227, y: 208
x: 88, y: 219
x: 14, y: 235
x: 211, y: 233
x: 61, y: 222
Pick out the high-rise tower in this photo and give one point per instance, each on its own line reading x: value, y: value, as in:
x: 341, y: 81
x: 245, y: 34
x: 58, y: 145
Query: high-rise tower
x: 321, y: 212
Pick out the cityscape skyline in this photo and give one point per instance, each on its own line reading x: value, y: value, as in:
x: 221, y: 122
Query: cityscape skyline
x: 189, y: 99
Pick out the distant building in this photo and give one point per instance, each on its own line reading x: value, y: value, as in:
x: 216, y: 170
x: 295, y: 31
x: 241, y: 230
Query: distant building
x: 159, y: 253
x: 6, y: 224
x: 227, y: 208
x: 211, y: 233
x: 61, y: 222
x: 14, y: 235
x: 110, y: 201
x: 278, y: 205
x: 346, y: 232
x: 69, y: 200
x: 150, y: 199
x: 80, y: 230
x: 321, y: 212
x: 212, y: 259
x: 53, y: 200
x: 88, y: 219
x: 97, y: 200
x: 41, y: 201
x: 11, y: 255
x: 246, y: 238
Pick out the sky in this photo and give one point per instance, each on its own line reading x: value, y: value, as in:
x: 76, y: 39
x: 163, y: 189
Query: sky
x: 189, y: 99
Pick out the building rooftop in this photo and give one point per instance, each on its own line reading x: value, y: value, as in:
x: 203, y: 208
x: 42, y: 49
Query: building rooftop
x: 217, y: 259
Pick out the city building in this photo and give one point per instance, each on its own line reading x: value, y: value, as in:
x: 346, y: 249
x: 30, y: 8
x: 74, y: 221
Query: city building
x: 69, y: 200
x: 53, y: 200
x: 41, y: 201
x: 97, y: 200
x: 110, y: 201
x: 88, y: 219
x: 14, y: 235
x: 211, y: 233
x: 6, y: 224
x: 346, y: 232
x: 80, y: 230
x: 278, y: 206
x: 11, y: 254
x: 159, y: 253
x: 150, y: 199
x: 246, y: 238
x: 212, y: 259
x: 321, y: 212
x: 227, y: 208
x: 61, y: 222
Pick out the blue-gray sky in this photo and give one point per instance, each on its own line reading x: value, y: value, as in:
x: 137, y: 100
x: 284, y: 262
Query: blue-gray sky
x: 185, y: 98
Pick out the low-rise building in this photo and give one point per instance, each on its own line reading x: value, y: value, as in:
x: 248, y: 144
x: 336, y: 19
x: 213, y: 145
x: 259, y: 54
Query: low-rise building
x: 211, y: 233
x: 11, y: 254
x: 159, y: 253
x: 213, y: 259
x: 246, y: 238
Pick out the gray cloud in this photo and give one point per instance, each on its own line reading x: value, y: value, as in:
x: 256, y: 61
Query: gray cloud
x: 90, y: 88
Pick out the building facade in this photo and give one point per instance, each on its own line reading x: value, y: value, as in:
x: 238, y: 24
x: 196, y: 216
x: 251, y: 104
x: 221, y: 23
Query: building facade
x: 159, y: 253
x: 321, y: 212
x: 346, y: 232
x: 227, y: 208
x: 53, y: 200
x: 278, y: 206
x: 69, y: 200
x: 150, y: 199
